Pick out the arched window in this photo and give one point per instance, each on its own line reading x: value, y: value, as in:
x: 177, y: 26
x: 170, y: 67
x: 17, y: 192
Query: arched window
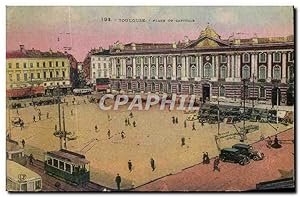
x: 193, y: 71
x: 262, y: 92
x: 161, y: 87
x: 277, y: 72
x: 223, y: 72
x: 207, y: 70
x: 246, y: 72
x: 169, y: 72
x: 291, y: 72
x: 276, y: 56
x: 153, y: 73
x: 246, y: 57
x: 262, y: 72
x: 129, y: 71
x: 179, y: 72
x: 222, y: 91
x: 138, y: 71
x: 191, y: 89
x: 169, y: 88
x: 262, y: 57
x: 179, y: 88
x: 146, y: 71
x: 161, y: 72
x: 153, y: 87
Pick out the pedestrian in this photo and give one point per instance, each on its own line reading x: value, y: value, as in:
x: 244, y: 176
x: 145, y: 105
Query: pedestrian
x: 216, y: 164
x: 21, y: 124
x: 129, y: 165
x: 276, y: 143
x: 71, y: 112
x: 184, y: 123
x: 31, y: 159
x: 152, y: 163
x: 193, y: 129
x: 126, y: 123
x: 33, y: 118
x: 269, y: 142
x: 96, y: 128
x: 40, y: 116
x: 55, y: 127
x: 176, y: 120
x: 134, y: 124
x: 23, y: 143
x: 173, y: 120
x: 108, y: 133
x: 202, y: 123
x: 17, y: 111
x: 118, y: 181
x: 122, y: 135
x: 182, y: 141
x: 131, y: 115
x: 47, y: 115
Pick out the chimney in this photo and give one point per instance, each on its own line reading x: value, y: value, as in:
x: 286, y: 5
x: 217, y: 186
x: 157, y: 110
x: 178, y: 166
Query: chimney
x: 22, y: 48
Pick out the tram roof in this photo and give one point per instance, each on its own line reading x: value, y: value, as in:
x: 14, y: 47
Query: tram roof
x: 70, y: 156
x: 13, y: 171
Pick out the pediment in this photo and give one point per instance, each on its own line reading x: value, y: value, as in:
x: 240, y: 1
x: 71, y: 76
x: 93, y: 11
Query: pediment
x: 207, y: 42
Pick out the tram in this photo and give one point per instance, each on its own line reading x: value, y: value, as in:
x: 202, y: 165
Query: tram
x: 21, y: 179
x: 67, y: 166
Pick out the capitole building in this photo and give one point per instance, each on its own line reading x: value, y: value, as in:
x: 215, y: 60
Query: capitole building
x: 208, y: 67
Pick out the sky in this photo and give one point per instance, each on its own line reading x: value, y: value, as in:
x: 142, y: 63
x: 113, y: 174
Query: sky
x: 82, y: 28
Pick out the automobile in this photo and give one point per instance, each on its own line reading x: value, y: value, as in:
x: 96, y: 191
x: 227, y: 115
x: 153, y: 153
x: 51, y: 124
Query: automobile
x: 233, y: 155
x: 248, y: 151
x: 192, y: 117
x: 232, y: 120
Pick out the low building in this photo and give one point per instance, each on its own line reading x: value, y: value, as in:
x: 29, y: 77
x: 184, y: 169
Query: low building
x: 34, y: 69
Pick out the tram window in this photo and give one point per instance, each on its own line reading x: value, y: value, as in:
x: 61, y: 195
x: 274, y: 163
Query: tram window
x: 38, y: 184
x: 55, y: 163
x: 24, y: 187
x: 49, y: 161
x: 68, y: 167
x: 61, y: 165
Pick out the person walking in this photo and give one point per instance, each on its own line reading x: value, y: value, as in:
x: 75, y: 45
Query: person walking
x: 193, y: 127
x: 31, y: 159
x: 182, y: 141
x: 108, y: 133
x: 129, y: 165
x: 122, y: 135
x: 173, y: 120
x: 23, y: 143
x: 34, y: 118
x: 176, y: 120
x: 96, y: 128
x: 152, y: 163
x: 47, y: 115
x: 184, y: 123
x: 118, y: 181
x: 134, y: 124
x: 216, y: 164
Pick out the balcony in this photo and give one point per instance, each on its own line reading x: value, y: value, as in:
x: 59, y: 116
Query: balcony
x: 261, y: 80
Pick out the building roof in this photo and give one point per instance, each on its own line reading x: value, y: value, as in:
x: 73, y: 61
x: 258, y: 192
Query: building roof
x: 102, y: 52
x: 207, y: 40
x: 70, y: 156
x: 33, y: 53
x: 15, y: 170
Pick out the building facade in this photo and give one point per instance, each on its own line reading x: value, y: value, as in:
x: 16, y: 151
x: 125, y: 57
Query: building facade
x: 33, y: 68
x: 100, y: 65
x: 208, y: 67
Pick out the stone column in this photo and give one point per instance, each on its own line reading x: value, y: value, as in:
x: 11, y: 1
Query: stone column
x: 165, y: 67
x: 217, y: 67
x: 113, y: 63
x: 187, y: 65
x: 232, y: 67
x: 252, y: 66
x: 269, y: 78
x: 200, y: 67
x: 283, y: 67
x: 149, y: 68
x: 156, y: 67
x: 213, y: 66
x: 174, y: 68
x: 238, y: 65
x: 142, y: 68
x: 228, y: 67
x: 134, y: 68
x: 197, y: 66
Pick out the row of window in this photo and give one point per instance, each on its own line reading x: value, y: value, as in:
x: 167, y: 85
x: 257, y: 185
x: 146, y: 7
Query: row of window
x: 207, y: 72
x: 105, y: 74
x: 37, y: 64
x: 191, y: 88
x: 45, y: 75
x: 262, y: 58
x: 104, y: 65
